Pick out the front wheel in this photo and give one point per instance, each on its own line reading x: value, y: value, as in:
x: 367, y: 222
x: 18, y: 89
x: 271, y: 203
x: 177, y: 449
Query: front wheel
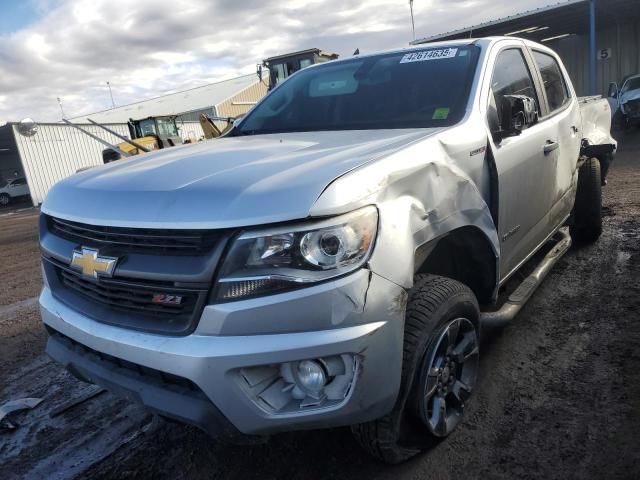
x: 4, y: 199
x: 439, y: 371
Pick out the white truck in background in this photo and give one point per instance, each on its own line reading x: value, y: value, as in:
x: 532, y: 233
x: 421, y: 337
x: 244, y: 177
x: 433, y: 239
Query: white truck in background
x: 626, y: 100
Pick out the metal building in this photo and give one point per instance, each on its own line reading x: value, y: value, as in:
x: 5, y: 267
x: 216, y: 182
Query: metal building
x: 598, y: 40
x: 53, y: 153
x: 224, y: 99
x: 57, y: 150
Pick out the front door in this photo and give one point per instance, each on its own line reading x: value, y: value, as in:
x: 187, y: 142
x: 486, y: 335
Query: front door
x: 526, y: 166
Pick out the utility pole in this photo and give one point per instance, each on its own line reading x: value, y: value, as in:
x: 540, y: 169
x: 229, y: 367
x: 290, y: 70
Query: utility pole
x: 593, y: 85
x: 113, y: 104
x: 413, y: 25
x: 60, y: 104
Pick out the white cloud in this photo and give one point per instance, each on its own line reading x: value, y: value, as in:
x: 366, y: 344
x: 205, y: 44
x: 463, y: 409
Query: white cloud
x: 148, y: 47
x: 37, y: 45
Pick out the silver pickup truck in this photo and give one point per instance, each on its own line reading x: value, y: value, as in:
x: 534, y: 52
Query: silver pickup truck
x: 332, y: 259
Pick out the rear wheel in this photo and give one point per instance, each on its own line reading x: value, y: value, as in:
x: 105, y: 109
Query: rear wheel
x: 4, y: 199
x: 586, y: 226
x: 440, y: 367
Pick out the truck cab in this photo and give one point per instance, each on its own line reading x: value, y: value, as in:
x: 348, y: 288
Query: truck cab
x: 282, y: 66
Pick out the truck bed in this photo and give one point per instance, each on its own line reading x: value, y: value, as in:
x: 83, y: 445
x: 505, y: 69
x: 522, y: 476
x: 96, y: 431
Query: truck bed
x: 596, y: 120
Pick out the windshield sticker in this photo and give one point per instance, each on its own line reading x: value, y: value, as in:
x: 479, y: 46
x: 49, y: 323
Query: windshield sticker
x: 440, y: 113
x: 429, y: 55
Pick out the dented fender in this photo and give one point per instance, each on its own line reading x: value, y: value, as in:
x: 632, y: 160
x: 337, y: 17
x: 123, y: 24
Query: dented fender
x: 422, y: 193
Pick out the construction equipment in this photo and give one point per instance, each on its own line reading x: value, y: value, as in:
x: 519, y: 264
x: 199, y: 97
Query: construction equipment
x: 210, y: 129
x: 151, y: 133
x: 281, y: 66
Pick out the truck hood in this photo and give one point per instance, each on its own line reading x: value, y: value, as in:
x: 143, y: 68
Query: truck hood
x: 229, y: 182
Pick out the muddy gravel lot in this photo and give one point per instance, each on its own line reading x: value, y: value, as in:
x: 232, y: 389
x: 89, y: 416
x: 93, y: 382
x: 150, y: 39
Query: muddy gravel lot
x: 559, y: 393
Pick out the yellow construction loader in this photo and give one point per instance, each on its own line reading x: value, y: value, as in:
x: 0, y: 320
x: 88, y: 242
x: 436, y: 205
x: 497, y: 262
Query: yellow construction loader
x: 211, y: 130
x: 152, y: 133
x: 147, y: 134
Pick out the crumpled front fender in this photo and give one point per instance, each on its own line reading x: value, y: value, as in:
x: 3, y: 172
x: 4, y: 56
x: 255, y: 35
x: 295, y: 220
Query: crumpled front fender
x: 422, y: 193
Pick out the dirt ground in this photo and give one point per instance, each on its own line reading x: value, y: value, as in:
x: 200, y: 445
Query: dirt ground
x: 558, y: 397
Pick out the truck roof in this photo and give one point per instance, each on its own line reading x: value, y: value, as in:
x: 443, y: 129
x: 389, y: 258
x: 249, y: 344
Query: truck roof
x: 483, y: 42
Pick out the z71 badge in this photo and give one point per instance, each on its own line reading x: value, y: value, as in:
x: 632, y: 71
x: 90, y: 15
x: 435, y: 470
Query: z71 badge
x: 165, y: 299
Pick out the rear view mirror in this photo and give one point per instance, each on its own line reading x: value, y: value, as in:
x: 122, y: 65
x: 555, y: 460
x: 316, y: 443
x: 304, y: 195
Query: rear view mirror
x: 509, y: 115
x: 613, y: 90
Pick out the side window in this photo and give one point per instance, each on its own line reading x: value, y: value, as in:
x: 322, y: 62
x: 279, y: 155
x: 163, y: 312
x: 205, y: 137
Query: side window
x: 511, y: 76
x: 19, y: 181
x: 554, y: 84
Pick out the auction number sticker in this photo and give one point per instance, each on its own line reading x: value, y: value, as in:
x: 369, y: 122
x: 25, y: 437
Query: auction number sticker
x: 429, y: 55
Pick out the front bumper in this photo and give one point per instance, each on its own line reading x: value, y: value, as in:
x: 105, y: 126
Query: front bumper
x: 361, y: 315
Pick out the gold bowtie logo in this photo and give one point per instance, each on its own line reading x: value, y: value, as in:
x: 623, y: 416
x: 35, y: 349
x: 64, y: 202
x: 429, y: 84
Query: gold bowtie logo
x: 88, y: 261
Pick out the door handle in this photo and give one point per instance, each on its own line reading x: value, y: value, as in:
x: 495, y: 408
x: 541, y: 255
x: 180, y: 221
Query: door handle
x: 550, y: 146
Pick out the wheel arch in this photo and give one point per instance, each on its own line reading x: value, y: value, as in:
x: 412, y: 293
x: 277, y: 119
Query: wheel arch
x: 465, y: 254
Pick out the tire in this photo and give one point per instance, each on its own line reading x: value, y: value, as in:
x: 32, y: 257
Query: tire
x: 434, y: 304
x: 5, y: 199
x: 586, y: 226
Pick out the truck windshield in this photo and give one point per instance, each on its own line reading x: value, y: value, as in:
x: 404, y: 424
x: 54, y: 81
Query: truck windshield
x: 416, y: 89
x: 632, y: 84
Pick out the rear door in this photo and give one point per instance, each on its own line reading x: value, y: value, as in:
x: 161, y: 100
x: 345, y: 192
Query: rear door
x: 563, y: 113
x: 526, y: 167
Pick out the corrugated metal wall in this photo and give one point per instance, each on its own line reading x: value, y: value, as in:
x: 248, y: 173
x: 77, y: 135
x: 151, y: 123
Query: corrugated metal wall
x: 242, y: 102
x: 195, y: 115
x: 622, y: 39
x: 190, y: 130
x: 57, y: 151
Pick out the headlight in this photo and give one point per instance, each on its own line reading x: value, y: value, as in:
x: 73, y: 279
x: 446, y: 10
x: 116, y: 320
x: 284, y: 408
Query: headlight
x: 268, y: 261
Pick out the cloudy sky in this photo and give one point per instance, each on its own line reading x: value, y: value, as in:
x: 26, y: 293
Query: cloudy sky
x: 71, y: 48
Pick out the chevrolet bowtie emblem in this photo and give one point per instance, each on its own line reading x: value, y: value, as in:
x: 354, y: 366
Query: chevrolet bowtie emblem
x: 88, y: 261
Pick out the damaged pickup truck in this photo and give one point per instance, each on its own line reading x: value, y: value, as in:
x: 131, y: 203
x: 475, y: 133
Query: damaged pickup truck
x: 332, y: 259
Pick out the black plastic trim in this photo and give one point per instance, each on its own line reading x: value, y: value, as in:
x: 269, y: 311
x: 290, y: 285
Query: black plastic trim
x: 169, y: 395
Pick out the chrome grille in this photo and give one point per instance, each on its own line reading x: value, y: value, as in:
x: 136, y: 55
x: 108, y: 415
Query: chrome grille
x: 129, y: 295
x: 142, y: 240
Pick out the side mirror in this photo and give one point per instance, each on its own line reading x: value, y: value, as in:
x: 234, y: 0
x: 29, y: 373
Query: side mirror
x: 613, y: 90
x: 511, y: 115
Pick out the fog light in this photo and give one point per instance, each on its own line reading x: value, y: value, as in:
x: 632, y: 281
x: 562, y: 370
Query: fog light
x: 311, y: 376
x: 291, y: 387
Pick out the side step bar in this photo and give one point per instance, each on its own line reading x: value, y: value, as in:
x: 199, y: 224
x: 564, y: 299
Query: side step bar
x: 519, y: 297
